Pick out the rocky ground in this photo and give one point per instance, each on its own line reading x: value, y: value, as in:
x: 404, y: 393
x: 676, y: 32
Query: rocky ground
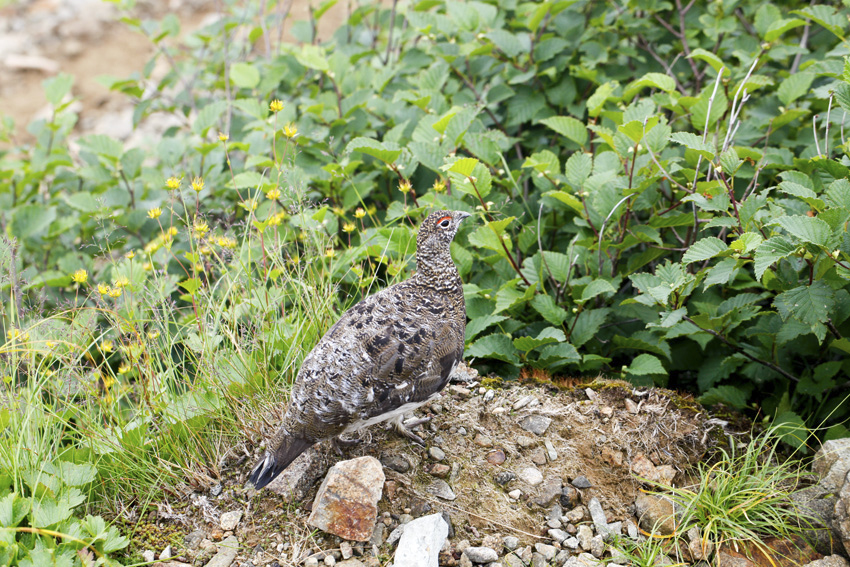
x: 526, y: 475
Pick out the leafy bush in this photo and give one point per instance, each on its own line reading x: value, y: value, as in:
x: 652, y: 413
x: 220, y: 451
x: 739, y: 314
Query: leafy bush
x: 662, y: 190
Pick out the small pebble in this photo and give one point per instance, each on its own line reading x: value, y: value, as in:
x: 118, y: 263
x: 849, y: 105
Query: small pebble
x: 488, y: 395
x: 330, y: 560
x: 461, y: 431
x: 166, y: 553
x: 570, y: 542
x: 229, y: 520
x: 547, y: 551
x: 346, y: 550
x: 440, y: 470
x: 437, y: 408
x: 531, y: 475
x: 558, y: 535
x: 148, y: 555
x: 496, y: 457
x: 311, y: 562
x: 550, y: 450
x: 581, y: 482
x: 436, y: 453
x: 504, y: 477
x: 481, y: 554
x: 511, y: 543
x: 522, y: 402
x: 515, y: 493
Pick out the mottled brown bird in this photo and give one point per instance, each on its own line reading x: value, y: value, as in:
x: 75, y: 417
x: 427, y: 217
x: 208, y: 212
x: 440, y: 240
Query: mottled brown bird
x: 386, y: 356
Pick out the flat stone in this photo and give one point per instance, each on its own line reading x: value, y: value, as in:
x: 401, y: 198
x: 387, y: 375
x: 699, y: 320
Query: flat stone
x: 582, y: 560
x: 481, y: 554
x: 525, y: 442
x: 571, y: 542
x: 504, y: 477
x: 558, y: 535
x: 550, y: 450
x: 537, y: 424
x: 585, y: 535
x: 829, y: 561
x: 842, y: 514
x: 351, y: 563
x: 643, y: 467
x: 597, y: 514
x: 227, y: 550
x: 538, y: 456
x: 631, y: 406
x: 496, y: 457
x: 193, y: 539
x: 522, y: 402
x: 229, y: 520
x: 420, y: 544
x: 482, y: 440
x: 530, y: 475
x: 395, y: 463
x: 516, y: 494
x: 547, y: 551
x: 439, y: 470
x: 581, y: 482
x: 298, y: 478
x: 511, y: 543
x: 436, y: 453
x: 576, y: 515
x: 441, y: 489
x: 548, y: 492
x: 346, y: 503
x: 597, y: 546
x: 781, y: 551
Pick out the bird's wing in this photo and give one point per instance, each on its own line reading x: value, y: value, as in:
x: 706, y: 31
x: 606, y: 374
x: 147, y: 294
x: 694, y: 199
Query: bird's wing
x: 386, y: 351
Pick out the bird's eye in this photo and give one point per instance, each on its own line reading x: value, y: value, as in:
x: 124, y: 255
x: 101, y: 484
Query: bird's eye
x: 444, y: 222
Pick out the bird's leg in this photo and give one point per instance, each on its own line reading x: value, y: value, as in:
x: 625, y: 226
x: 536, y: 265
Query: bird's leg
x: 402, y: 430
x: 339, y: 443
x: 414, y: 422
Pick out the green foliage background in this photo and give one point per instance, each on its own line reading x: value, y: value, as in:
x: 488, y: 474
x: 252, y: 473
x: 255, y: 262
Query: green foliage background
x: 662, y: 193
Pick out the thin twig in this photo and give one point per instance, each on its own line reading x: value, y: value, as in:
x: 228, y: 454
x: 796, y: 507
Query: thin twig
x: 826, y: 134
x: 815, y: 133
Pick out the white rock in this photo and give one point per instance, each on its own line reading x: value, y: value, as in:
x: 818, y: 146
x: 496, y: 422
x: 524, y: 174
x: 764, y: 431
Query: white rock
x: 229, y: 520
x: 515, y: 493
x: 421, y: 542
x: 530, y: 475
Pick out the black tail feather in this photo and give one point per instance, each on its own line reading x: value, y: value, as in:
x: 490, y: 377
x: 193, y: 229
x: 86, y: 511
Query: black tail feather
x: 273, y: 463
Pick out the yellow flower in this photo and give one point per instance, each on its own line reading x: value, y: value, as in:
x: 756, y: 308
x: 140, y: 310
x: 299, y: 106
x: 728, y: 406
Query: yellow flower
x: 339, y: 211
x: 50, y: 344
x: 124, y: 368
x: 273, y: 194
x: 107, y: 346
x: 359, y: 213
x: 295, y: 259
x: 201, y: 228
x: 405, y: 186
x: 276, y: 105
x: 172, y: 231
x: 103, y: 289
x: 439, y: 186
x: 226, y: 242
x: 153, y: 334
x: 249, y: 204
x: 147, y: 266
x: 223, y: 137
x: 121, y: 281
x: 290, y: 130
x: 172, y: 183
x: 80, y: 276
x: 198, y: 184
x: 14, y: 333
x: 205, y: 250
x: 115, y: 292
x: 130, y: 255
x: 348, y: 227
x: 155, y: 213
x: 330, y: 253
x: 109, y: 381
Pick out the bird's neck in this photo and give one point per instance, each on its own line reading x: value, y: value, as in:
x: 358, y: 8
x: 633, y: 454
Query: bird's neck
x: 436, y: 270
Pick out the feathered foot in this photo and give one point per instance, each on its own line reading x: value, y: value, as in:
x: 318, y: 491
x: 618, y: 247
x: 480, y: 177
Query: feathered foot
x: 401, y: 429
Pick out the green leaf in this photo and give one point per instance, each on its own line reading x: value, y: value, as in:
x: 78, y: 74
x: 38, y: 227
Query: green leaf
x: 313, y: 57
x: 693, y: 142
x: 496, y: 346
x: 548, y: 309
x: 704, y: 249
x: 506, y: 42
x: 594, y: 288
x: 556, y: 355
x: 769, y: 252
x: 809, y: 304
x: 826, y: 16
x: 587, y: 325
x: 29, y: 221
x: 646, y: 364
x: 373, y: 148
x: 808, y: 229
x: 577, y: 170
x: 244, y: 75
x: 13, y: 509
x: 479, y: 324
x: 464, y: 166
x: 568, y: 127
x: 597, y: 100
x: 48, y: 513
x: 191, y: 285
x: 791, y: 429
x: 722, y: 273
x: 567, y: 199
x: 55, y: 88
x: 794, y: 87
x: 729, y: 395
x: 546, y: 336
x: 779, y: 27
x: 492, y: 236
x: 76, y: 474
x: 713, y: 60
x: 747, y: 242
x: 654, y: 80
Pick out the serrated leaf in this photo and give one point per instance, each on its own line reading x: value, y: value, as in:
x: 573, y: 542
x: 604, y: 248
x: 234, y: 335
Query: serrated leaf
x: 548, y: 309
x: 555, y: 355
x: 373, y: 148
x: 809, y: 304
x: 587, y: 325
x: 729, y: 395
x: 312, y: 57
x: 578, y: 168
x: 55, y: 88
x: 704, y: 249
x: 826, y: 16
x: 244, y: 75
x: 545, y: 337
x: 808, y: 229
x: 794, y: 87
x: 713, y: 60
x: 779, y: 27
x: 597, y: 100
x: 693, y: 142
x: 747, y: 242
x: 722, y: 273
x: 464, y: 166
x: 566, y: 198
x: 654, y: 80
x: 594, y: 288
x: 791, y: 429
x: 769, y: 252
x: 13, y: 509
x: 506, y: 42
x: 646, y: 364
x: 568, y: 127
x: 496, y: 346
x: 479, y: 324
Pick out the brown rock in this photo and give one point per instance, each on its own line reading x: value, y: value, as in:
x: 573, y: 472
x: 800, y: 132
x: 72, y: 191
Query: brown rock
x: 346, y: 503
x: 299, y: 477
x: 644, y: 468
x: 548, y: 492
x: 482, y: 440
x: 655, y: 514
x: 538, y: 456
x: 496, y: 457
x: 774, y: 552
x: 440, y: 470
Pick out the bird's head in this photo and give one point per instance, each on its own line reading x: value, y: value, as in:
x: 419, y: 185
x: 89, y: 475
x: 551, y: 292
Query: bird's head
x: 438, y: 229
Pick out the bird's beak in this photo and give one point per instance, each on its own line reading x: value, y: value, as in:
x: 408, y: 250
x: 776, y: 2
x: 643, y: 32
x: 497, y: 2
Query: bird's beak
x: 462, y: 215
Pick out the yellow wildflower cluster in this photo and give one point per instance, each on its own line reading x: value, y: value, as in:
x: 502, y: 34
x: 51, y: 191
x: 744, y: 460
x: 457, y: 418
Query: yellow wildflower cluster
x: 155, y: 213
x: 14, y: 334
x: 164, y: 239
x: 201, y: 228
x: 120, y: 282
x: 273, y: 194
x: 223, y: 137
x: 275, y: 105
x: 290, y: 131
x: 173, y: 183
x: 80, y: 276
x: 405, y: 186
x: 198, y: 184
x: 439, y: 186
x: 226, y: 242
x: 348, y: 227
x: 359, y: 213
x: 130, y: 255
x: 277, y: 218
x: 107, y: 346
x: 330, y: 253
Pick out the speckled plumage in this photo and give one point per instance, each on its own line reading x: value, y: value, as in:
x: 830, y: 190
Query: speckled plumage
x: 388, y: 354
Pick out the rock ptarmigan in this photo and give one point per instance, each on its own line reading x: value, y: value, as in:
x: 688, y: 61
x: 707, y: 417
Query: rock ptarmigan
x: 387, y: 355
